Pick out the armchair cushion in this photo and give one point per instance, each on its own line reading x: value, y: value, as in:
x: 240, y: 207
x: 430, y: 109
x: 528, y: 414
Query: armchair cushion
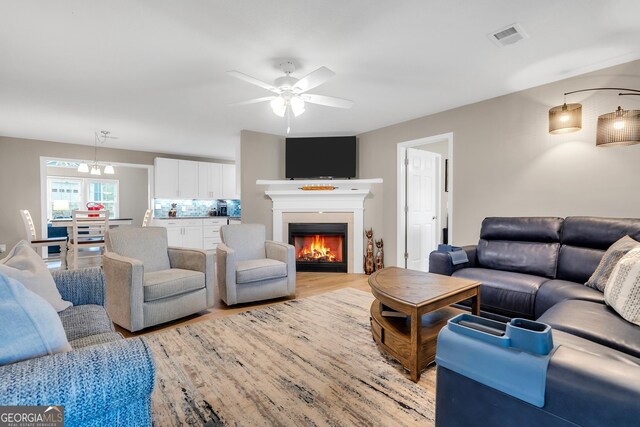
x: 255, y: 270
x: 171, y: 282
x: 147, y: 244
x: 246, y: 239
x: 85, y: 320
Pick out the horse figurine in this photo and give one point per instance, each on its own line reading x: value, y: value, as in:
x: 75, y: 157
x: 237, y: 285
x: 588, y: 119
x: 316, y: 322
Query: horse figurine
x: 379, y: 256
x: 368, y: 258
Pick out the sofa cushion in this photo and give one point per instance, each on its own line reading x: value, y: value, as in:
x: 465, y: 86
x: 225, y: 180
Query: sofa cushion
x: 84, y: 320
x: 147, y: 244
x: 27, y: 267
x: 167, y: 283
x: 255, y: 270
x: 522, y: 229
x: 30, y: 326
x: 504, y: 292
x: 616, y: 251
x: 622, y: 291
x: 539, y: 259
x: 595, y: 322
x: 577, y: 264
x: 598, y: 233
x: 554, y: 291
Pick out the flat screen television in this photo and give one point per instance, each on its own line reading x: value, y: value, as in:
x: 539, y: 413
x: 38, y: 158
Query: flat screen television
x: 322, y: 157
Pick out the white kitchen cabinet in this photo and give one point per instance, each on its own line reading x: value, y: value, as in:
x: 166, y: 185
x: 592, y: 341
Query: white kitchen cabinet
x: 229, y: 190
x: 166, y: 178
x: 211, y: 232
x: 174, y: 236
x: 192, y: 237
x: 183, y: 233
x: 209, y: 180
x: 175, y: 179
x: 187, y: 179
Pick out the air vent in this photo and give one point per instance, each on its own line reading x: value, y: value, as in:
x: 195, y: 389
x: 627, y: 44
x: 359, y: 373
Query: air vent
x: 508, y: 35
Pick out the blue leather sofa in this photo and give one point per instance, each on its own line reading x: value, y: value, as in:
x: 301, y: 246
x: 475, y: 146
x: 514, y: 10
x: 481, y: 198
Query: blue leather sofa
x: 105, y: 380
x: 536, y: 268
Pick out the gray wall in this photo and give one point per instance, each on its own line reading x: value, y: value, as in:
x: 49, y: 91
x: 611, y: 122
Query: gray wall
x: 504, y: 162
x: 20, y: 176
x: 133, y: 188
x: 261, y: 157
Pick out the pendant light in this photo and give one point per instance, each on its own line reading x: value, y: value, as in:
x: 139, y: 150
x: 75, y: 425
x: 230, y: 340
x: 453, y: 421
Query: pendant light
x: 621, y: 127
x: 94, y: 168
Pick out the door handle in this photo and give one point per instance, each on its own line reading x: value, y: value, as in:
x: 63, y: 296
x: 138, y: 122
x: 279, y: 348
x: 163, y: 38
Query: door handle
x: 434, y: 218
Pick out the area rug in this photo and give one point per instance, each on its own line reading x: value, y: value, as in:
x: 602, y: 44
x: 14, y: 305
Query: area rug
x: 303, y: 362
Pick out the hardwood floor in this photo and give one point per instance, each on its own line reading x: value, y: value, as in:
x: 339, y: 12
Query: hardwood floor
x: 307, y: 284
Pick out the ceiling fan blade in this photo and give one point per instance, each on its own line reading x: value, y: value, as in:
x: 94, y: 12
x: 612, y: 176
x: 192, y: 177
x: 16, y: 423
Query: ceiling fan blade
x: 253, y: 81
x: 254, y: 101
x: 329, y: 101
x: 313, y: 79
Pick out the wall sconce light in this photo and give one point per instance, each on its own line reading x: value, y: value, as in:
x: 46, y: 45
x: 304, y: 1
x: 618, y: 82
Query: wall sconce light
x: 621, y: 127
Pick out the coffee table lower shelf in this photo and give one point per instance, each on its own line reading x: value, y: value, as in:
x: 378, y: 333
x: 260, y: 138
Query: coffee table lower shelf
x: 393, y: 335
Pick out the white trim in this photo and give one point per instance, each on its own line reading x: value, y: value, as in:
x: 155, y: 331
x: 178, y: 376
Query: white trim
x: 400, y: 188
x: 43, y: 185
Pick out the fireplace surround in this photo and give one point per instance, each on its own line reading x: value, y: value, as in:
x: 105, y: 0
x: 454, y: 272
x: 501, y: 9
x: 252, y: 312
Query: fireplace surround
x: 320, y: 246
x: 297, y: 201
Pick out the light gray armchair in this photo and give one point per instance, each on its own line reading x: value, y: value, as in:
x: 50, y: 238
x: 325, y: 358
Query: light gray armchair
x: 251, y: 268
x: 148, y: 283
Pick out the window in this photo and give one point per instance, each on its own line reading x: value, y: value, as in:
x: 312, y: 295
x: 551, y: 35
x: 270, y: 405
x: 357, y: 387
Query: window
x: 104, y: 192
x: 67, y: 194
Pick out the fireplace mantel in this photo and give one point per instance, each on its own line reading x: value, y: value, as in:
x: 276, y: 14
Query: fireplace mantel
x: 348, y: 196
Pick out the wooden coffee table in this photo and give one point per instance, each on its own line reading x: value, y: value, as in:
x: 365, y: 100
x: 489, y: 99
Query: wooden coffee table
x: 425, y: 298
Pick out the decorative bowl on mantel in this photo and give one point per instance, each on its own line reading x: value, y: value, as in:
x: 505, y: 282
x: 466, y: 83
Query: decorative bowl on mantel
x: 317, y: 187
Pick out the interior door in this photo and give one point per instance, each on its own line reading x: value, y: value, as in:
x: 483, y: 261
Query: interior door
x: 422, y: 207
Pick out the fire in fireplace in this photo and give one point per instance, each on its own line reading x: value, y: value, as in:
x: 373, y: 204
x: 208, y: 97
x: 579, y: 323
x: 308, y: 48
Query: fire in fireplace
x: 319, y: 247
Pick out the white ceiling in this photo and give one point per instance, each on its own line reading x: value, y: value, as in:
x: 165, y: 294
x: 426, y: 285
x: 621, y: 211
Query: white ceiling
x: 154, y: 72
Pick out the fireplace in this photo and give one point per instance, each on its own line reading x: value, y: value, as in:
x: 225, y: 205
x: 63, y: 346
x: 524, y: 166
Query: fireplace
x: 320, y: 246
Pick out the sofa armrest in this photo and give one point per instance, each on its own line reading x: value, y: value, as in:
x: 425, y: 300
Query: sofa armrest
x: 85, y: 286
x: 226, y: 273
x: 440, y: 262
x: 124, y: 290
x: 89, y: 382
x: 285, y: 253
x: 196, y: 260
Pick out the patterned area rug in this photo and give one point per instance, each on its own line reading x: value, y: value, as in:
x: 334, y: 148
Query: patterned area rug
x: 304, y: 362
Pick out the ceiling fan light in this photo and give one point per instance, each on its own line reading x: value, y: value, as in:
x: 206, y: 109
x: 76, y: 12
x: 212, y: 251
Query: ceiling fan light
x: 565, y: 118
x: 95, y: 170
x: 622, y: 127
x: 83, y: 167
x: 108, y: 170
x: 279, y: 106
x: 297, y: 106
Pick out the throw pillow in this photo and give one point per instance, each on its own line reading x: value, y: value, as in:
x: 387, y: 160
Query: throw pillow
x: 30, y: 326
x: 598, y: 279
x: 27, y: 267
x: 622, y: 292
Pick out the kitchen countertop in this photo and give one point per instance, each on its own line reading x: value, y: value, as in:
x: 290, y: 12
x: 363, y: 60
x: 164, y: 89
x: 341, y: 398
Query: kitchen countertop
x: 199, y: 217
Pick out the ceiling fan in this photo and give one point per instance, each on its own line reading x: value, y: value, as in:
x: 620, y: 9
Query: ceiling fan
x: 290, y: 92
